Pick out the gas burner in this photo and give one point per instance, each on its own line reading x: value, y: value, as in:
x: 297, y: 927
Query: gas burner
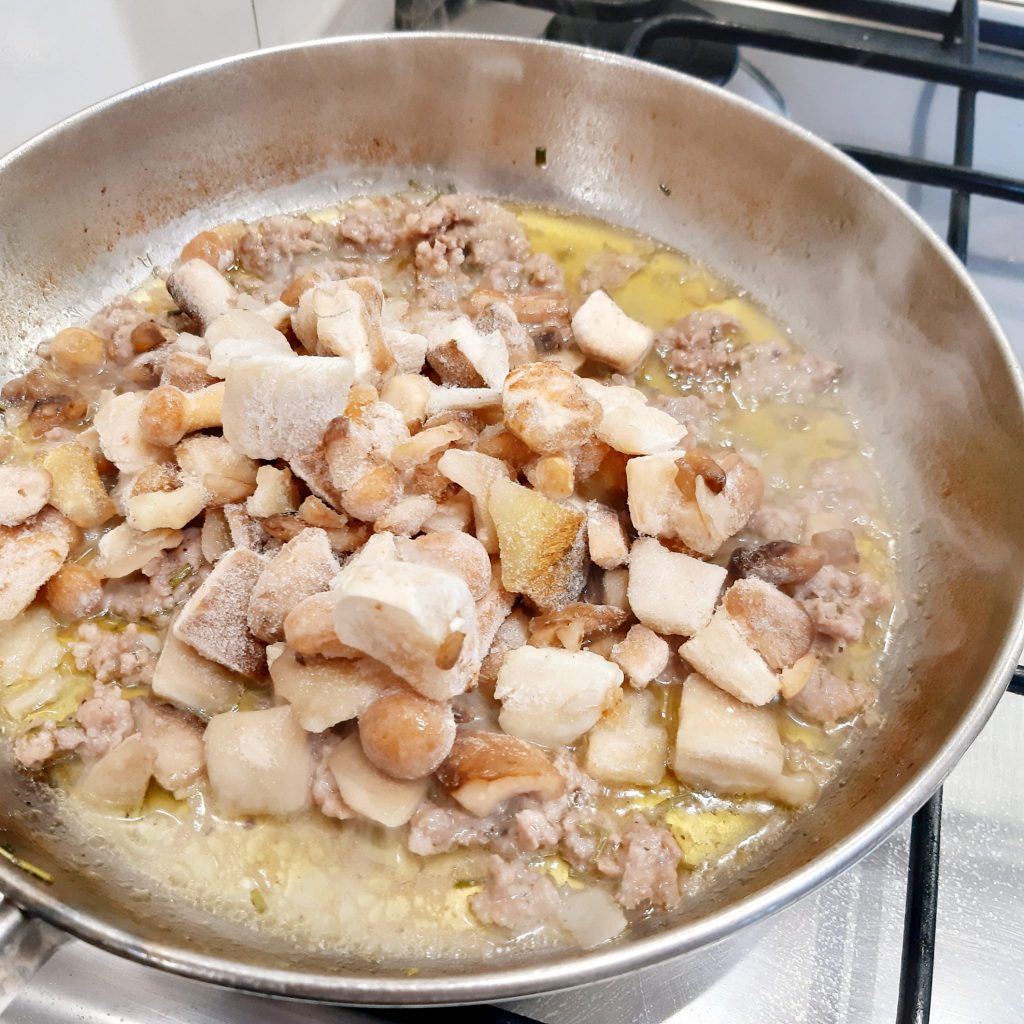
x: 710, y: 61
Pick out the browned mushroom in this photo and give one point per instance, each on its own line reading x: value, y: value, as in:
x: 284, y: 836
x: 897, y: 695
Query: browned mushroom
x: 779, y: 562
x: 484, y: 769
x: 405, y: 735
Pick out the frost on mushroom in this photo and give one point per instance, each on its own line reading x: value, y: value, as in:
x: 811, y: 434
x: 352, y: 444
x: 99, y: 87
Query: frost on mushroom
x: 258, y: 762
x: 552, y: 697
x: 418, y: 620
x: 603, y: 332
x: 276, y: 408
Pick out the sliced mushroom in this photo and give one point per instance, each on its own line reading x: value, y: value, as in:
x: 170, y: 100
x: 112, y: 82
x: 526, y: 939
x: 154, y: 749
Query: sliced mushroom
x: 779, y: 562
x: 368, y: 791
x: 326, y: 692
x: 552, y: 697
x: 486, y: 769
x: 190, y: 681
x: 571, y: 625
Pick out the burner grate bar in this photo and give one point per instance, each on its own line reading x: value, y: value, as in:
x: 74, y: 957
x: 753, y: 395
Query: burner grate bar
x: 875, y: 49
x: 941, y: 175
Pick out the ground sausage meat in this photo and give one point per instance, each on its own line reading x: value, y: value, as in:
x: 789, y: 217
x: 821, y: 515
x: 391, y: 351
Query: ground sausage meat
x: 840, y: 604
x: 772, y: 372
x: 828, y: 699
x: 650, y: 859
x: 34, y: 749
x: 129, y: 656
x: 515, y: 897
x: 699, y: 344
x: 106, y: 719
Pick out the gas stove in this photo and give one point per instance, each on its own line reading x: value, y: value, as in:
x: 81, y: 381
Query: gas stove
x: 933, y: 102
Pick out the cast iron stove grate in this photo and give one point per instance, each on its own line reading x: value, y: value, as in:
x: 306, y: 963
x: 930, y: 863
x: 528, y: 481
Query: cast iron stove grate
x: 956, y: 48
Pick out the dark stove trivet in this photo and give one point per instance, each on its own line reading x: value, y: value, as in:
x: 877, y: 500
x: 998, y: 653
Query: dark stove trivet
x: 711, y: 61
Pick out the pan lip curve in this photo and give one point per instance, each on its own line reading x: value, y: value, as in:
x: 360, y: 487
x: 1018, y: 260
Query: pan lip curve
x: 588, y: 966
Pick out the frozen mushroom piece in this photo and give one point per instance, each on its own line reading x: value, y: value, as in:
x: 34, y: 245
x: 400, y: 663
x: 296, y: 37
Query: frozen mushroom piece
x: 76, y: 488
x: 629, y: 745
x: 201, y: 291
x: 120, y: 778
x: 552, y: 697
x: 303, y: 567
x: 225, y: 475
x: 542, y: 545
x: 214, y: 619
x: 486, y: 769
x: 118, y: 422
x: 464, y: 357
x: 324, y: 692
x: 418, y: 620
x: 548, y: 408
x: 475, y: 473
x: 242, y: 334
x: 604, y: 333
x: 27, y: 561
x: 670, y: 592
x: 168, y: 413
x: 642, y: 655
x: 123, y: 550
x: 276, y: 408
x: 189, y: 681
x: 25, y: 490
x: 258, y: 762
x: 721, y: 653
x: 773, y: 623
x: 628, y: 424
x: 165, y: 509
x: 591, y: 916
x: 606, y: 537
x: 459, y: 553
x: 368, y: 791
x: 723, y: 744
x: 176, y: 739
x: 309, y: 629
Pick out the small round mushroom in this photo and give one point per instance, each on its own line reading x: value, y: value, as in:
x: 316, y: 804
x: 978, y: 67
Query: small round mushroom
x: 75, y: 592
x: 405, y: 735
x: 77, y: 352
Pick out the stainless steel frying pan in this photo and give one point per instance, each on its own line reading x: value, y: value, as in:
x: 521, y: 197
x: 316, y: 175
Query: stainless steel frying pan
x: 86, y: 207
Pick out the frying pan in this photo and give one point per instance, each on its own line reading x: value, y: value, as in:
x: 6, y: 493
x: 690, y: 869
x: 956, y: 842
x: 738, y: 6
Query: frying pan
x: 88, y: 206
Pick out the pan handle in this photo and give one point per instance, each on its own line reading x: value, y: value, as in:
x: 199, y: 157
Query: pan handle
x: 26, y: 943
